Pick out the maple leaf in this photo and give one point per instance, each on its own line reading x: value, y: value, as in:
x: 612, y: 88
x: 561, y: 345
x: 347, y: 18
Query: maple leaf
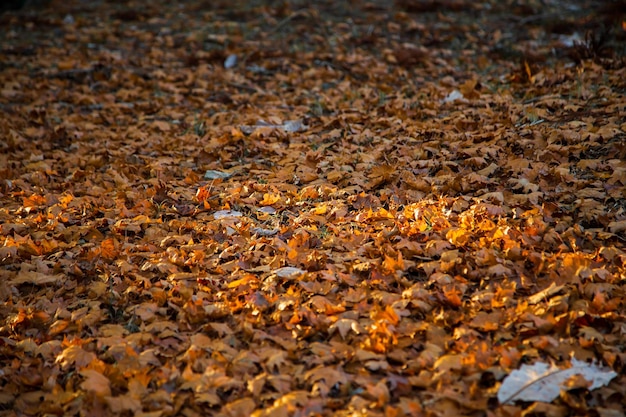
x: 344, y: 326
x: 75, y: 355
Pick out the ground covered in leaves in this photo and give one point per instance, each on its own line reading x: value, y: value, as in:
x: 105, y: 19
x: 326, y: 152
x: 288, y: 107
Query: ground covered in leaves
x: 271, y: 208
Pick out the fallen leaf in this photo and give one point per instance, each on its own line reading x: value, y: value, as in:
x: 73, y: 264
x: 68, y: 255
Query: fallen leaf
x: 543, y: 382
x: 95, y: 382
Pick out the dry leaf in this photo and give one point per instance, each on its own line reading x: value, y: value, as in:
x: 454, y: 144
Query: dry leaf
x: 95, y: 382
x: 543, y: 382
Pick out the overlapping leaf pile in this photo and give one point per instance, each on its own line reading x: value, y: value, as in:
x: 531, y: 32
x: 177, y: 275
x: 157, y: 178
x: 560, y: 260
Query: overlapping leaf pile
x: 370, y: 209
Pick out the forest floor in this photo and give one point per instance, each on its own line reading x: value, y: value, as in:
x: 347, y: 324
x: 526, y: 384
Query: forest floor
x: 247, y: 208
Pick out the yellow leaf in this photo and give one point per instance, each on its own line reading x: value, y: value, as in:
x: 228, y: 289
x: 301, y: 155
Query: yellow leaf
x: 458, y: 237
x: 269, y: 199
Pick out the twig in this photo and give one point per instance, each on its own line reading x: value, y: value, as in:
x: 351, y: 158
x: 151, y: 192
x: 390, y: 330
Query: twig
x: 286, y: 20
x: 244, y: 87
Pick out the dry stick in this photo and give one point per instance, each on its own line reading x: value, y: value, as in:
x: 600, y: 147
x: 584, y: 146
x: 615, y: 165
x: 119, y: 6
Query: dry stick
x: 286, y: 20
x: 244, y: 87
x: 540, y: 98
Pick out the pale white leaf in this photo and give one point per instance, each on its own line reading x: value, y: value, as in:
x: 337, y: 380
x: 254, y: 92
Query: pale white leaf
x: 263, y: 232
x: 230, y: 61
x: 267, y: 210
x: 542, y: 382
x: 289, y: 272
x: 289, y: 126
x: 226, y: 213
x: 454, y: 95
x: 293, y: 126
x: 212, y: 174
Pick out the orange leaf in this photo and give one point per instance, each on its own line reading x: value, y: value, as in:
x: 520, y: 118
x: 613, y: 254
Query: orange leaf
x: 453, y: 296
x: 33, y: 201
x: 269, y: 199
x: 108, y: 249
x: 203, y: 193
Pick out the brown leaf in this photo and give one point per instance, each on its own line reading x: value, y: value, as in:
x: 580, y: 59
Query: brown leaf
x: 96, y: 382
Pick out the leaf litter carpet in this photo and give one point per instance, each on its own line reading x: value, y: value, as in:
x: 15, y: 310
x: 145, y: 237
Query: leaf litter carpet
x: 342, y: 208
